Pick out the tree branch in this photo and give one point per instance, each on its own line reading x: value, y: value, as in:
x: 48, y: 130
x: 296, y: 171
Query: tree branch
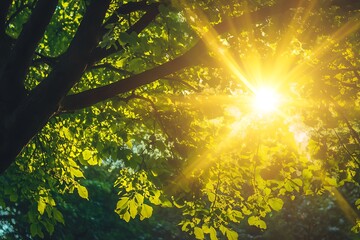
x: 92, y: 96
x: 20, y: 57
x: 111, y: 68
x: 36, y: 109
x: 194, y: 56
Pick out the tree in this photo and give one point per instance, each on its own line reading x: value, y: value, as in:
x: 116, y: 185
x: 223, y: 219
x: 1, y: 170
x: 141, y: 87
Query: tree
x: 86, y: 82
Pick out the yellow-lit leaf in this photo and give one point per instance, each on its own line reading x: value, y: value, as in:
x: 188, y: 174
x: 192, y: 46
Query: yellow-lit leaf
x: 87, y: 154
x: 41, y: 205
x: 146, y: 211
x: 122, y: 203
x: 257, y: 222
x: 276, y: 203
x: 133, y: 208
x: 83, y: 192
x: 213, y: 234
x: 231, y: 235
x: 76, y: 172
x: 139, y: 198
x: 199, y: 234
x: 93, y: 160
x: 126, y: 216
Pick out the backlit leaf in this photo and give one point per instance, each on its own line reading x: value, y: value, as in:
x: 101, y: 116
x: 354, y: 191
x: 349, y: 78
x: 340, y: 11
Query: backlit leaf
x: 83, y: 192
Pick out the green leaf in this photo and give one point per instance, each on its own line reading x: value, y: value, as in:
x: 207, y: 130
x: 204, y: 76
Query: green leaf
x: 199, y: 233
x: 83, y: 192
x: 58, y: 216
x: 276, y: 203
x: 49, y: 227
x: 14, y: 197
x: 33, y: 229
x: 146, y: 211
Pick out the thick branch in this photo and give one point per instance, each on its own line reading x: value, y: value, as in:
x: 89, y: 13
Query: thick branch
x: 110, y: 67
x: 92, y: 96
x: 100, y: 53
x: 20, y: 57
x: 42, y: 103
x: 192, y: 57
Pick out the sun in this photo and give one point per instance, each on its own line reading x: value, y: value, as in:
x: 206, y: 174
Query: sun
x: 265, y: 100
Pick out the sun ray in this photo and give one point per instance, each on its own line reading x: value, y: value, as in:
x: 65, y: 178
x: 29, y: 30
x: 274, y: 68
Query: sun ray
x: 211, y: 39
x: 250, y: 72
x: 322, y: 49
x: 290, y: 33
x: 348, y: 211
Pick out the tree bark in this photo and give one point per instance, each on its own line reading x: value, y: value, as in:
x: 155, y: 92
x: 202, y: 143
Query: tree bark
x: 34, y: 111
x: 14, y: 72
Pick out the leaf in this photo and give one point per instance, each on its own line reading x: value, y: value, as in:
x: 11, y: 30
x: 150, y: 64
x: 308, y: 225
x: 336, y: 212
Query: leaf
x: 129, y: 144
x: 357, y: 203
x: 126, y: 216
x: 276, y: 203
x: 41, y: 205
x: 87, y: 154
x: 122, y: 203
x: 33, y: 229
x: 331, y: 181
x: 139, y: 198
x: 83, y: 192
x: 232, y: 235
x: 199, y: 233
x: 213, y: 234
x: 298, y: 182
x: 58, y: 216
x: 146, y: 211
x: 14, y: 197
x: 133, y: 208
x: 49, y: 227
x: 66, y: 133
x: 306, y: 173
x: 93, y: 161
x: 211, y: 196
x: 76, y: 172
x: 166, y: 203
x: 257, y: 222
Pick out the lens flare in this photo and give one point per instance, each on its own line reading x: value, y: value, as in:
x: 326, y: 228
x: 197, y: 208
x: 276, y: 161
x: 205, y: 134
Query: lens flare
x: 266, y: 100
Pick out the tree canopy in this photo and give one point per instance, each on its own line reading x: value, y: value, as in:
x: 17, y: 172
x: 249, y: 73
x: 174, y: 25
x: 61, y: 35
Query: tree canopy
x: 222, y: 109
